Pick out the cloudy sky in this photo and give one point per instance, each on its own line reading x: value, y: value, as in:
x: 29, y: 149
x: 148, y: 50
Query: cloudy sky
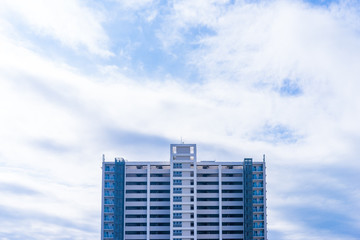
x: 129, y: 77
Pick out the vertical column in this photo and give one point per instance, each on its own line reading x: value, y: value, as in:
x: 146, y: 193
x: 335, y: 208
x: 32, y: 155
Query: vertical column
x: 148, y: 202
x: 171, y: 193
x: 195, y: 192
x: 248, y: 195
x: 102, y: 199
x: 119, y: 199
x: 183, y: 191
x: 220, y: 202
x: 265, y: 200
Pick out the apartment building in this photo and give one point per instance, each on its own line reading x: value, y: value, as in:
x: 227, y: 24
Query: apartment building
x: 183, y: 199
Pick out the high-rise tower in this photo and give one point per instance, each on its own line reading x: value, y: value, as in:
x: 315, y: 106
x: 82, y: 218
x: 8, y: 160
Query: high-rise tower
x: 183, y: 199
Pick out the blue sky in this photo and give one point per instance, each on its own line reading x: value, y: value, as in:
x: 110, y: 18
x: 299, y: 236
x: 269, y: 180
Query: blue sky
x: 79, y: 79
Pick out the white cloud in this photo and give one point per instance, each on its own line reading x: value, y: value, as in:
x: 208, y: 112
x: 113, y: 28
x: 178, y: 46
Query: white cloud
x: 71, y: 22
x: 135, y: 4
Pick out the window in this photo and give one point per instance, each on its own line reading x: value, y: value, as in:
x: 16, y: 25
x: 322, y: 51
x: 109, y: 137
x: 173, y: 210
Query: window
x: 159, y: 224
x: 136, y: 175
x: 232, y: 199
x: 177, y: 215
x: 177, y: 182
x: 159, y: 216
x: 136, y: 199
x: 177, y: 207
x: 135, y: 191
x: 177, y: 165
x: 159, y: 183
x: 158, y: 191
x: 232, y: 183
x: 208, y: 224
x: 159, y: 199
x: 177, y: 224
x: 192, y: 150
x: 135, y: 208
x: 207, y: 207
x: 177, y: 198
x: 159, y: 207
x: 207, y: 199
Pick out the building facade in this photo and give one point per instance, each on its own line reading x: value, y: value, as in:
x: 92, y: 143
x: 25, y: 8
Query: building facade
x: 183, y: 199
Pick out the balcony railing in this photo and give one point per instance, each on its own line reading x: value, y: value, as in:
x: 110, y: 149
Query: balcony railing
x: 258, y: 234
x: 106, y: 210
x: 258, y: 201
x: 257, y: 176
x: 108, y: 235
x: 257, y: 169
x: 258, y: 225
x: 258, y: 193
x: 258, y: 209
x: 107, y: 201
x: 258, y: 217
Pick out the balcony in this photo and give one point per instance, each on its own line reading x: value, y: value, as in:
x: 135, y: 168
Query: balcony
x: 109, y: 194
x: 258, y: 209
x: 109, y: 169
x: 109, y: 177
x: 258, y: 169
x: 257, y: 176
x: 109, y: 185
x: 258, y: 225
x: 258, y: 193
x: 258, y: 234
x: 109, y: 202
x: 108, y: 235
x: 108, y: 219
x: 257, y: 217
x: 258, y: 201
x: 108, y: 210
x: 259, y: 184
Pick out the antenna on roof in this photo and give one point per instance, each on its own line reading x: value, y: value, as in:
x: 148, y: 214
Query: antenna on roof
x: 103, y: 157
x: 263, y: 157
x: 181, y: 140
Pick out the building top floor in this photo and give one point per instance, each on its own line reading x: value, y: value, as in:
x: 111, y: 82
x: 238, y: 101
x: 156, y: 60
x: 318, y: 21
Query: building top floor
x: 183, y: 153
